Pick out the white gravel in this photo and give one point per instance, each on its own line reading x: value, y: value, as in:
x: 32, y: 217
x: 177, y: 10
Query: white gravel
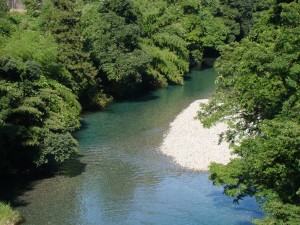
x: 193, y: 146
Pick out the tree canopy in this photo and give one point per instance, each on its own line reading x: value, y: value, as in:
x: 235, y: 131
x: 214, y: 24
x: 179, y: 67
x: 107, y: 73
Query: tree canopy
x: 62, y: 56
x: 111, y: 35
x: 258, y: 96
x: 37, y: 112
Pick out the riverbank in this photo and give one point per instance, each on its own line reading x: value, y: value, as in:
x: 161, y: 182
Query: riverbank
x: 191, y: 145
x: 8, y: 216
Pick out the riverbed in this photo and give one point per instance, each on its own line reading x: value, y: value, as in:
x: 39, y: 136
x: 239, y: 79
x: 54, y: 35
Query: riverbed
x: 123, y: 178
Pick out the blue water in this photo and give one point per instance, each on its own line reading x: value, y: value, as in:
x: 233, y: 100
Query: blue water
x: 122, y: 178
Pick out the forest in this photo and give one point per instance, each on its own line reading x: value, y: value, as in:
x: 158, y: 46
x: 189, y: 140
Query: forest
x: 62, y: 57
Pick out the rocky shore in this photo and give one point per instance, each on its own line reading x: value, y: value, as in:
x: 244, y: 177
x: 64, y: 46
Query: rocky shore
x: 193, y: 146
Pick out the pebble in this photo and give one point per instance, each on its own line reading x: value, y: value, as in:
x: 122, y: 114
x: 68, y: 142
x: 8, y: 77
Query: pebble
x: 191, y: 145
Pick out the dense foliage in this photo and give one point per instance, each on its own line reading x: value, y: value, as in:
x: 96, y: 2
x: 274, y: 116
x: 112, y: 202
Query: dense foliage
x: 64, y: 52
x: 163, y: 40
x: 38, y: 113
x: 62, y: 20
x: 111, y: 35
x: 63, y: 55
x: 258, y: 96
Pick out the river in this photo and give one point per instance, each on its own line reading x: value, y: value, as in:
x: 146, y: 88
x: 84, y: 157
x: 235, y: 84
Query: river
x: 122, y: 178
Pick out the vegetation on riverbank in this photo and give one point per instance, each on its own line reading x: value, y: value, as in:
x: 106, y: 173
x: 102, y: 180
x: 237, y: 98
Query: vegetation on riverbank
x: 8, y: 216
x: 258, y: 96
x: 62, y: 56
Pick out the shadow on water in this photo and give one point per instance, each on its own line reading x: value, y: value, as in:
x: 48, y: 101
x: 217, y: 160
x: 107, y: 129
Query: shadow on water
x: 187, y: 78
x: 15, y: 185
x: 72, y: 167
x: 247, y: 206
x: 83, y: 126
x: 144, y: 97
x: 243, y: 223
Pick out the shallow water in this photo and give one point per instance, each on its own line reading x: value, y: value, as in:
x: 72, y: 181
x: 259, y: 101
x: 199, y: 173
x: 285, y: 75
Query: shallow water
x: 122, y: 178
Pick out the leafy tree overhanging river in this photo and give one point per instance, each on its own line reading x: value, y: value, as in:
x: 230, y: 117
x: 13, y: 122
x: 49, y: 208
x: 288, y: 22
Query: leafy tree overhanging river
x: 122, y: 178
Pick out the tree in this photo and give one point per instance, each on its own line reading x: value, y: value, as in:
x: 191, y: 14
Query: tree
x: 163, y: 40
x: 258, y: 96
x: 37, y: 114
x: 3, y: 8
x: 203, y: 30
x: 62, y: 20
x: 238, y: 16
x: 111, y: 33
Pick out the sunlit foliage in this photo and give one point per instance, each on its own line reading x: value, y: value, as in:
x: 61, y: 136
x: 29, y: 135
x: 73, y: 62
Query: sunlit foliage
x: 258, y: 96
x: 36, y: 112
x: 63, y: 52
x: 112, y: 33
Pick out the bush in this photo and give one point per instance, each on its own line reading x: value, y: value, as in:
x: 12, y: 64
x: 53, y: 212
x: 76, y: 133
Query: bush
x: 8, y: 215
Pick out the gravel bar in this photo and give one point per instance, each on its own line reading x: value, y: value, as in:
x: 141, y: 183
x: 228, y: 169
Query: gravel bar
x: 191, y: 145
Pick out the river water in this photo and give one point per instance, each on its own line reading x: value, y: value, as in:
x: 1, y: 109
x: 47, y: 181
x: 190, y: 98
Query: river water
x: 122, y: 178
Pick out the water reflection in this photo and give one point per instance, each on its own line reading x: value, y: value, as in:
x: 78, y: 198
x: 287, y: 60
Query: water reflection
x: 122, y: 178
